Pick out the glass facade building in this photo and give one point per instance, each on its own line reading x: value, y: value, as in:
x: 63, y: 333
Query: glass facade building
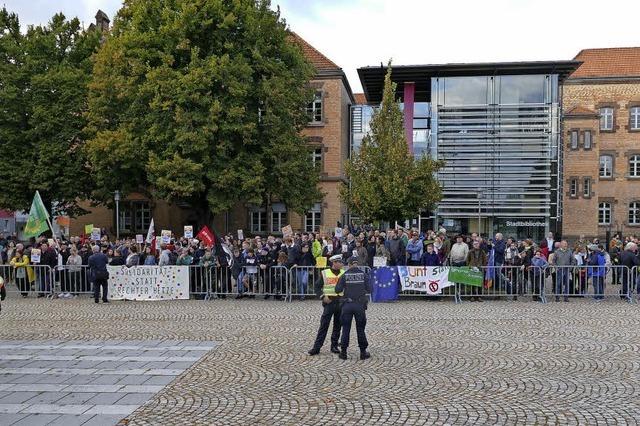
x: 497, y: 128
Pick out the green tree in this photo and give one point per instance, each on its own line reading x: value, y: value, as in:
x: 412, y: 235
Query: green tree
x: 386, y: 181
x: 201, y: 102
x: 43, y: 88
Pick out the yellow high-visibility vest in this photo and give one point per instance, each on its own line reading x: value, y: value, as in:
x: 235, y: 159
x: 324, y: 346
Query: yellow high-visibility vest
x: 330, y: 280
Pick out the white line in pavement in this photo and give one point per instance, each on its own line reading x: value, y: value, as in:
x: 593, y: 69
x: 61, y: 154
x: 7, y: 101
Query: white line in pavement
x: 98, y: 358
x: 66, y: 409
x: 89, y: 371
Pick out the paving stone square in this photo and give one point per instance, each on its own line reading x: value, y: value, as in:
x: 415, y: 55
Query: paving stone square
x: 432, y: 362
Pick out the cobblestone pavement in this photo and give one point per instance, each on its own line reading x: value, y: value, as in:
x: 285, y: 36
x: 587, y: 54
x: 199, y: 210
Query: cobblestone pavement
x: 432, y: 362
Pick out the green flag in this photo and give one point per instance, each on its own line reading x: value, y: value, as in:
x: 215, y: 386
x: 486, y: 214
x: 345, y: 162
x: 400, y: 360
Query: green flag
x: 37, y: 223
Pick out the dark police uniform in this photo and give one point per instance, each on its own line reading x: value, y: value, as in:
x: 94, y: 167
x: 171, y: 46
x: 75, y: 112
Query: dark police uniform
x: 325, y: 287
x: 355, y: 285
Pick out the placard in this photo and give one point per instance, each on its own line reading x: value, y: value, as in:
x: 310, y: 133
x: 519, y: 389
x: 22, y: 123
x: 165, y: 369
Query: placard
x: 337, y: 232
x: 345, y: 248
x: 321, y: 262
x: 287, y: 231
x: 379, y: 261
x: 240, y: 235
x: 139, y: 238
x: 424, y: 279
x: 188, y: 232
x: 166, y: 236
x: 35, y: 255
x: 148, y: 282
x: 88, y: 229
x: 95, y: 234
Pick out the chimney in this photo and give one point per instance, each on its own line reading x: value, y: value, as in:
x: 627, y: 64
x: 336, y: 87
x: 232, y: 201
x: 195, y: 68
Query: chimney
x: 102, y: 21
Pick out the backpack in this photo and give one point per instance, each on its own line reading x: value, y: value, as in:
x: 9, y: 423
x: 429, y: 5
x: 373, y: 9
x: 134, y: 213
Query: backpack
x: 173, y: 258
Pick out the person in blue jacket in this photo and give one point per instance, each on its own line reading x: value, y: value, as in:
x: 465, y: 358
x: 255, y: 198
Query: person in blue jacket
x: 597, y: 271
x: 430, y: 257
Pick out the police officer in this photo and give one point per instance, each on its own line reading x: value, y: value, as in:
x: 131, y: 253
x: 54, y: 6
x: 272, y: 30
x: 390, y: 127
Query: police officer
x: 325, y: 289
x: 355, y: 285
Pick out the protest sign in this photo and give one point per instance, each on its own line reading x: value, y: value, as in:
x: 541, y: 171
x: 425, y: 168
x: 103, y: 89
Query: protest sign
x: 240, y: 235
x: 148, y: 282
x: 88, y: 229
x: 465, y: 275
x: 321, y: 262
x: 95, y: 234
x: 139, y: 238
x: 188, y: 232
x: 166, y: 236
x: 287, y: 231
x: 424, y: 279
x: 379, y: 261
x: 35, y: 255
x: 337, y: 232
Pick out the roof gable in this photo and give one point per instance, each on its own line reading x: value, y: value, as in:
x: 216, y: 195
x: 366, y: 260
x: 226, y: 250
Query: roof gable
x: 313, y: 55
x: 609, y: 62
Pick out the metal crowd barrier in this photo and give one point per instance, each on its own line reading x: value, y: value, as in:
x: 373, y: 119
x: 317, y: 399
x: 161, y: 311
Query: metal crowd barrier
x: 72, y: 281
x: 302, y: 281
x: 267, y: 282
x: 28, y: 281
x: 587, y: 281
x: 506, y: 281
x: 631, y: 285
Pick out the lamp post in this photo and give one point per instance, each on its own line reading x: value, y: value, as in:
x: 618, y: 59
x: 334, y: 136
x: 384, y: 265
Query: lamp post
x: 480, y: 194
x: 116, y: 198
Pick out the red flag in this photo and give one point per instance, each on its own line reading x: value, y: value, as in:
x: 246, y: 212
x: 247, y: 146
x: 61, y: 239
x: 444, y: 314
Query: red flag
x: 206, y: 236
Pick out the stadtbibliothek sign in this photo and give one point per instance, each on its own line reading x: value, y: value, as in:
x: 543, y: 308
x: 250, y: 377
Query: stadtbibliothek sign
x: 525, y: 223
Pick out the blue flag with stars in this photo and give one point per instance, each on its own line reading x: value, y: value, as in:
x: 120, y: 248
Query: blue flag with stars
x: 384, y: 284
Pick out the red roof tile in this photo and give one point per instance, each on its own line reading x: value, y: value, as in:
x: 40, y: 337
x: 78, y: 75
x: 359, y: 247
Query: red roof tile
x: 360, y: 98
x: 313, y: 55
x: 611, y: 62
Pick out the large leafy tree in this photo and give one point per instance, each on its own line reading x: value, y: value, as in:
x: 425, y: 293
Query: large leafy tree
x: 201, y: 101
x: 43, y: 87
x: 386, y: 181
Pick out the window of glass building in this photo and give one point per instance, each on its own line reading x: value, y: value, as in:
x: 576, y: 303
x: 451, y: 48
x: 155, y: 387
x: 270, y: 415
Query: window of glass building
x: 586, y: 187
x: 314, y: 109
x: 634, y: 166
x: 573, y: 187
x: 604, y: 213
x: 587, y: 139
x: 606, y: 166
x: 574, y: 139
x: 522, y: 89
x: 312, y: 219
x: 606, y: 118
x: 460, y: 91
x: 634, y: 118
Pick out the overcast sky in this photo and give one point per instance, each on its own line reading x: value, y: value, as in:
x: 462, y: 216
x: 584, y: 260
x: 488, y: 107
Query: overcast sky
x: 356, y: 33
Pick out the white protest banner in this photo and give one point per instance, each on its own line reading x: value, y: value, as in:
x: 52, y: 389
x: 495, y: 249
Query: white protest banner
x: 166, y: 236
x: 35, y: 255
x: 95, y: 234
x: 338, y: 232
x: 148, y: 282
x: 188, y: 232
x: 287, y: 231
x: 139, y: 238
x: 240, y: 235
x: 425, y: 279
x: 379, y: 261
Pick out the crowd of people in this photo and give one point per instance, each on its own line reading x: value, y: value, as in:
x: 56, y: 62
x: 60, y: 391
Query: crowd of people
x: 257, y: 265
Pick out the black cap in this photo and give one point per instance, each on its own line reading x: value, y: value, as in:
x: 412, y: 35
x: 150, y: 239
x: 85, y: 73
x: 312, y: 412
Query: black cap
x: 353, y: 260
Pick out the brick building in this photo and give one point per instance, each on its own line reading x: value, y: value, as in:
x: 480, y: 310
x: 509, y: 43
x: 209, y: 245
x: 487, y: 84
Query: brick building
x: 601, y: 128
x: 327, y: 133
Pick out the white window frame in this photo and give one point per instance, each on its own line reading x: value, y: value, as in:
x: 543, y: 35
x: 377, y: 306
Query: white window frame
x: 606, y: 172
x: 574, y: 139
x: 257, y: 226
x: 316, y: 157
x: 279, y: 217
x: 606, y: 118
x: 588, y: 141
x: 313, y: 218
x: 586, y: 187
x: 314, y: 109
x: 634, y: 166
x: 573, y: 187
x: 634, y: 118
x: 634, y: 213
x: 604, y: 214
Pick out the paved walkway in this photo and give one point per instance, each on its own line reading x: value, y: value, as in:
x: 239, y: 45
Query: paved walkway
x: 432, y: 362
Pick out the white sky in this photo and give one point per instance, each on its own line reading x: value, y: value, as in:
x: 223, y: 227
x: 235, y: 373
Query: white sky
x: 356, y: 33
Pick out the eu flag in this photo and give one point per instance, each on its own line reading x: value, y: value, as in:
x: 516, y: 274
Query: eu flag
x: 384, y: 283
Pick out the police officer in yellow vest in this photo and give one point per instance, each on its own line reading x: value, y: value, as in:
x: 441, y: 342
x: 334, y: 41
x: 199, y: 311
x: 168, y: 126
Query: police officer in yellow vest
x: 325, y: 288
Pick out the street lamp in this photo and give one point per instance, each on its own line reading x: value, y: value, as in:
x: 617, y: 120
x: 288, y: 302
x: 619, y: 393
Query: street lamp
x: 116, y: 198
